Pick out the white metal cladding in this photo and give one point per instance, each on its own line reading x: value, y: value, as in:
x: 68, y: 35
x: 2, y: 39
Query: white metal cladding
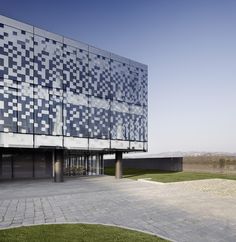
x: 99, y: 144
x: 66, y: 93
x: 48, y: 140
x: 120, y: 144
x: 16, y: 140
x: 136, y: 145
x: 75, y: 143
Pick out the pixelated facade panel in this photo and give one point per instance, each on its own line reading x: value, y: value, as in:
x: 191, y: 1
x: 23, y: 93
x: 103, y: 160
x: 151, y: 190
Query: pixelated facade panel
x: 135, y: 86
x: 119, y: 121
x: 99, y: 76
x: 75, y: 70
x: 41, y: 110
x: 70, y: 68
x: 25, y: 108
x: 48, y: 113
x: 83, y: 84
x: 47, y: 87
x: 99, y: 118
x: 120, y: 81
x: 48, y: 62
x: 76, y: 115
x: 16, y: 54
x: 55, y: 111
x: 145, y: 123
x: 143, y: 79
x: 8, y: 108
x: 136, y: 123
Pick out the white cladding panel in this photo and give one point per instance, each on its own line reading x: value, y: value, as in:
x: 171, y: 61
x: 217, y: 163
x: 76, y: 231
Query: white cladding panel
x: 46, y: 140
x: 99, y: 144
x: 119, y: 144
x: 136, y: 145
x: 16, y: 140
x: 75, y: 143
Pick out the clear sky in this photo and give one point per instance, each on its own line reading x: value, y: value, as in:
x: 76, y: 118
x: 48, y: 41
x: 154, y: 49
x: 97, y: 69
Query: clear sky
x: 189, y: 46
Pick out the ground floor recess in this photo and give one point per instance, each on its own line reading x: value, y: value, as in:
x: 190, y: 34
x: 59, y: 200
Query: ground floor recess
x: 40, y: 163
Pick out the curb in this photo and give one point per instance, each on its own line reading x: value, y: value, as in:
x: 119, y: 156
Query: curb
x: 149, y: 181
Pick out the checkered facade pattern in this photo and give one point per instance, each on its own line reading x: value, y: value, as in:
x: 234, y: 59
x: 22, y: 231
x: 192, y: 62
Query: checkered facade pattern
x: 49, y: 87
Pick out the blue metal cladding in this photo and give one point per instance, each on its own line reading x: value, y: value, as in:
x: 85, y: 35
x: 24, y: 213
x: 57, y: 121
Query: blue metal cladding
x: 135, y: 86
x: 70, y: 68
x: 75, y: 115
x: 48, y: 111
x: 99, y: 118
x: 120, y: 121
x: 144, y: 83
x: 16, y: 54
x: 41, y: 110
x: 25, y: 108
x: 48, y: 62
x: 82, y: 83
x: 75, y: 70
x: 145, y: 123
x: 49, y: 87
x: 120, y: 81
x: 99, y: 76
x: 55, y: 111
x: 136, y: 123
x: 8, y: 107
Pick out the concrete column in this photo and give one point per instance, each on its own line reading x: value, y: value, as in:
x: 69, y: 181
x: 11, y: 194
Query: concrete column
x: 102, y: 164
x: 98, y: 164
x: 0, y: 165
x: 118, y: 162
x: 53, y: 163
x: 58, y: 165
x: 86, y: 163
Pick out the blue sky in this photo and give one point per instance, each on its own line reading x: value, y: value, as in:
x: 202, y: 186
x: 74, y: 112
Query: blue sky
x: 189, y: 46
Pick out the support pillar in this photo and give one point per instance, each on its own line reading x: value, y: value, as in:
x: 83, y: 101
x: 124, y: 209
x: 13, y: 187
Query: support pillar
x: 98, y: 164
x: 102, y: 164
x: 1, y: 165
x: 118, y: 162
x: 58, y: 165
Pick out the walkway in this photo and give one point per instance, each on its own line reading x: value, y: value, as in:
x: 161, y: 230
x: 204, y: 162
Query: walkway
x: 185, y: 211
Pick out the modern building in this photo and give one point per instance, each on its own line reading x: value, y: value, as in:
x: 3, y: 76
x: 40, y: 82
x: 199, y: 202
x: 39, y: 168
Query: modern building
x: 64, y: 104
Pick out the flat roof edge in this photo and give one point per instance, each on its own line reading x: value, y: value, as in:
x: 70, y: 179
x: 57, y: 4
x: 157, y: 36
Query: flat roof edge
x: 66, y: 40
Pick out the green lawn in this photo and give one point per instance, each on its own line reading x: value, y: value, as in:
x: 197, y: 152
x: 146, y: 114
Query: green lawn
x: 162, y: 176
x: 74, y: 233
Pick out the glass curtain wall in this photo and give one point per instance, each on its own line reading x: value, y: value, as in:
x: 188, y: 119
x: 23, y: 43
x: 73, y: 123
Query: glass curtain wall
x: 75, y: 165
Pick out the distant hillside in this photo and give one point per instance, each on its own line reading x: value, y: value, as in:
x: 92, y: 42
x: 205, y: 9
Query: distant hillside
x: 181, y: 154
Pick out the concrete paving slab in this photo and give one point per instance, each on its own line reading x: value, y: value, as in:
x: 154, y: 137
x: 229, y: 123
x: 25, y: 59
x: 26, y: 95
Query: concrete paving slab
x: 183, y: 211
